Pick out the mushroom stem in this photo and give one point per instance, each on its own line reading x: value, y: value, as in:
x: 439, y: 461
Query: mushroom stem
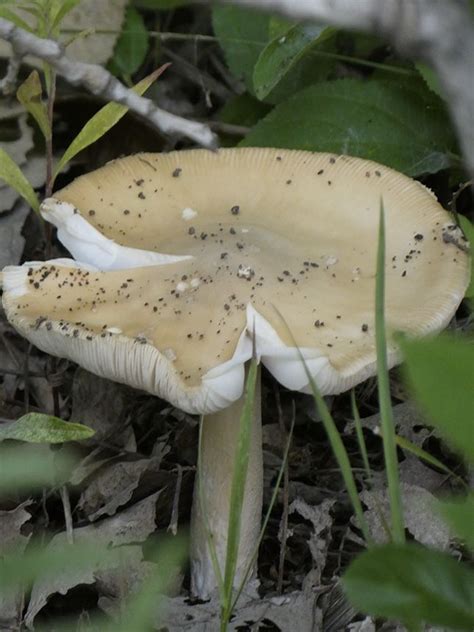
x: 219, y: 437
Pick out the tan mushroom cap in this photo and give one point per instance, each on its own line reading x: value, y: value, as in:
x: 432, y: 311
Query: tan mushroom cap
x: 260, y: 228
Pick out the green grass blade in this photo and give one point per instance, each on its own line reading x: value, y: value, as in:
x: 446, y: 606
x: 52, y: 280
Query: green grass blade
x: 336, y: 442
x: 267, y: 515
x: 385, y: 404
x: 238, y: 487
x: 407, y: 445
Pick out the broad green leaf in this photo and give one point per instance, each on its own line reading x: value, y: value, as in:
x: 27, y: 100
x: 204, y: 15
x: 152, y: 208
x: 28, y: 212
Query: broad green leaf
x: 13, y: 176
x: 104, y: 120
x: 243, y: 109
x: 29, y: 94
x: 440, y: 372
x: 459, y: 514
x: 132, y: 45
x: 242, y: 34
x: 39, y: 428
x: 283, y: 52
x: 404, y: 125
x: 468, y: 230
x: 412, y: 584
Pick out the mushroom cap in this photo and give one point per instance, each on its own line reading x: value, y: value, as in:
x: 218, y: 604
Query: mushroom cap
x: 183, y: 258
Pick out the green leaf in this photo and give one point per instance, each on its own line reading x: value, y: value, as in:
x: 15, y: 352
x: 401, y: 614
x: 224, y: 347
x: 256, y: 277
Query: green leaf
x: 383, y: 383
x: 242, y: 34
x: 239, y: 478
x: 412, y: 584
x: 283, y: 52
x: 44, y: 468
x: 39, y: 428
x: 468, y: 230
x: 132, y: 45
x: 104, y: 120
x: 403, y: 125
x: 13, y: 176
x: 429, y: 75
x: 243, y: 109
x: 161, y: 4
x: 459, y: 514
x: 29, y: 94
x: 13, y: 17
x: 440, y: 373
x: 65, y: 7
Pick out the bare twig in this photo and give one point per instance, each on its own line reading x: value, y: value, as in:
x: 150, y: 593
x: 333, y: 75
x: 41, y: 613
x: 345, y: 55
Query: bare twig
x: 436, y: 31
x: 101, y: 83
x: 8, y: 83
x: 67, y: 513
x: 173, y: 525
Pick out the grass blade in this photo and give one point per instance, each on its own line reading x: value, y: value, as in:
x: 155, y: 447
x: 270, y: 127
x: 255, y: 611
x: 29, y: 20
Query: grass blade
x: 385, y: 404
x: 238, y: 489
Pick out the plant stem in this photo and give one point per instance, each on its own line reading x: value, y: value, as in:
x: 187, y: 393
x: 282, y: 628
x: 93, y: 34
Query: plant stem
x: 385, y: 404
x: 210, y: 513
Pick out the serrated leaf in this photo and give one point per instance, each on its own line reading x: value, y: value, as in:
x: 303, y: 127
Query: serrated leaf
x: 105, y: 119
x: 29, y: 94
x: 459, y: 514
x: 11, y: 173
x: 284, y: 51
x: 39, y: 428
x: 440, y: 374
x: 468, y: 230
x: 412, y: 584
x: 404, y: 125
x: 132, y: 45
x: 242, y: 34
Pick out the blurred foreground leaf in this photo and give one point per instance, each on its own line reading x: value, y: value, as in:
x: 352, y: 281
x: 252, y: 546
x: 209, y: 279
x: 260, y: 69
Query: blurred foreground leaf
x: 29, y: 467
x: 440, y: 373
x: 403, y: 125
x: 39, y: 428
x: 411, y: 584
x: 459, y: 514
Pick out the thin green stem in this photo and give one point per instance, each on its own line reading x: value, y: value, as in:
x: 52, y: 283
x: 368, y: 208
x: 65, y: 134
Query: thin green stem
x: 385, y: 404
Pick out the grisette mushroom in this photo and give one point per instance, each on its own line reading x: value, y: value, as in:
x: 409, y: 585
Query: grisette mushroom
x: 180, y: 262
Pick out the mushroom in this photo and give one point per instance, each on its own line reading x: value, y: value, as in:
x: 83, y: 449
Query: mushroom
x: 180, y: 261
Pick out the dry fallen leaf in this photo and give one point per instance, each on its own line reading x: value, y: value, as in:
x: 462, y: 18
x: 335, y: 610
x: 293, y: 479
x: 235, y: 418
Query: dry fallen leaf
x: 421, y: 520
